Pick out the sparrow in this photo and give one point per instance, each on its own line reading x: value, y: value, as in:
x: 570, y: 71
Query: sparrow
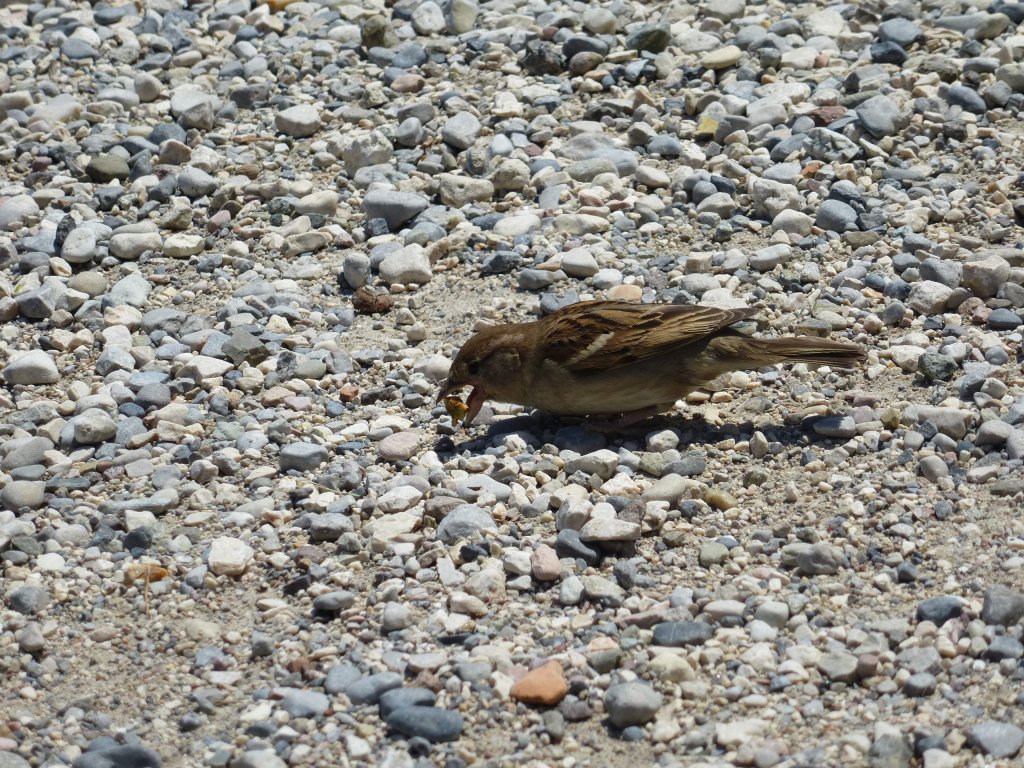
x: 616, y: 359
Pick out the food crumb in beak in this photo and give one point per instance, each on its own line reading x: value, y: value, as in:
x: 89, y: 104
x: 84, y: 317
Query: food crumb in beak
x: 455, y: 407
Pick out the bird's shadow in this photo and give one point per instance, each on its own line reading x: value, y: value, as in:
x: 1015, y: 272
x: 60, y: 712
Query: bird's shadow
x: 584, y: 435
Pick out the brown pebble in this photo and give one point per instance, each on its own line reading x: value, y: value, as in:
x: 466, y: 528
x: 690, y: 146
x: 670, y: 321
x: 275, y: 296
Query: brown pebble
x: 367, y: 302
x: 544, y: 685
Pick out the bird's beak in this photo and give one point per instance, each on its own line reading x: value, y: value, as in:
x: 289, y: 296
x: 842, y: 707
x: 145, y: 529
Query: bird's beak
x: 475, y: 402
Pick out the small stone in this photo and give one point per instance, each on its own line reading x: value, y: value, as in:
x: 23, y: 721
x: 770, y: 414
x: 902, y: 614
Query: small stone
x: 120, y: 756
x: 713, y: 553
x: 300, y: 703
x: 464, y: 522
x: 29, y: 600
x: 939, y: 610
x: 999, y: 740
x: 94, y: 426
x: 399, y: 446
x: 34, y: 367
x: 890, y: 750
x: 106, y: 168
x: 632, y: 703
x: 838, y: 666
x: 396, y: 208
x: 229, y: 556
x: 935, y: 366
x: 457, y: 191
x: 723, y: 58
x: 181, y: 246
x: 428, y: 19
x: 820, y: 559
x: 933, y: 468
x: 836, y: 216
x: 841, y: 427
x: 735, y: 733
x: 984, y: 277
x: 461, y: 15
x: 921, y: 684
x: 430, y: 723
x: 461, y: 130
x: 677, y: 634
x: 299, y: 121
x: 408, y: 265
x: 1002, y: 606
x: 302, y: 456
x: 324, y: 202
x: 17, y: 209
x: 929, y: 297
x: 79, y: 246
x: 543, y: 685
x: 129, y: 246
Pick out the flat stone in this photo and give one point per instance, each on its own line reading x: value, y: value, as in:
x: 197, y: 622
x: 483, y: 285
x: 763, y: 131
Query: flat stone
x: 728, y: 56
x: 396, y: 208
x: 430, y: 723
x: 678, y: 634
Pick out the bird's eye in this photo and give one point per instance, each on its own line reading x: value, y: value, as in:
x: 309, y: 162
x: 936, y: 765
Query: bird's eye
x: 473, y: 368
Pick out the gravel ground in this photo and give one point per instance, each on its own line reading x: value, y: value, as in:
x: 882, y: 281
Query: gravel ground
x: 240, y: 245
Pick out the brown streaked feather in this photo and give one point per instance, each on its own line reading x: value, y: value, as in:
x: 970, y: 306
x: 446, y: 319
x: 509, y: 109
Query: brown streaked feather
x: 623, y: 334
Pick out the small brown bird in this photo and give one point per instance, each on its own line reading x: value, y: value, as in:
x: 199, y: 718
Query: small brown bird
x: 611, y: 358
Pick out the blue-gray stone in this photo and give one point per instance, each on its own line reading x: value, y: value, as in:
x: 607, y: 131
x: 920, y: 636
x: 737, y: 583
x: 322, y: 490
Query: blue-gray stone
x: 368, y: 690
x: 340, y: 677
x: 939, y: 609
x: 299, y: 703
x: 430, y: 723
x: 398, y: 698
x: 123, y: 756
x: 676, y: 634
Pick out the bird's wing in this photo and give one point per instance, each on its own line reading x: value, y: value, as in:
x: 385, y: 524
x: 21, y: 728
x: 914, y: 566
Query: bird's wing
x: 603, y: 335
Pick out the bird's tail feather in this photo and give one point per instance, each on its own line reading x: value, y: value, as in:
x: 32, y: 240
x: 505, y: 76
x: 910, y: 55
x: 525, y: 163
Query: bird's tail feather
x: 793, y: 349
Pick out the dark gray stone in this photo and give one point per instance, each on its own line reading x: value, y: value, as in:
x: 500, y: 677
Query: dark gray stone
x: 430, y: 723
x: 676, y: 634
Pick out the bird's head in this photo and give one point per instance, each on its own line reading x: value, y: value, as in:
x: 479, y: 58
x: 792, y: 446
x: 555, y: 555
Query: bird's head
x: 487, y: 363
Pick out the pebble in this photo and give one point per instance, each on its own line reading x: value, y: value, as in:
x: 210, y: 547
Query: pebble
x: 430, y: 723
x: 1002, y: 606
x: 31, y: 368
x: 544, y: 685
x: 632, y: 703
x: 299, y: 122
x: 999, y: 740
x: 229, y: 556
x: 939, y: 610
